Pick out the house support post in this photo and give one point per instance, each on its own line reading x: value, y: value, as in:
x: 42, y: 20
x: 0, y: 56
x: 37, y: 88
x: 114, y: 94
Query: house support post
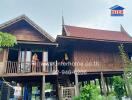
x: 82, y: 83
x: 100, y: 86
x: 103, y: 85
x: 76, y: 84
x: 43, y: 88
x: 107, y: 85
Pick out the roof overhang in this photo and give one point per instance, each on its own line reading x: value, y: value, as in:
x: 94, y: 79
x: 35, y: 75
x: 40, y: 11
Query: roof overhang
x: 71, y: 38
x: 37, y: 43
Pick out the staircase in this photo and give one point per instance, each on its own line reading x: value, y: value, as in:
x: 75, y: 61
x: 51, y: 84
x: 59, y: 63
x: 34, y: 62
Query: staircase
x: 63, y: 80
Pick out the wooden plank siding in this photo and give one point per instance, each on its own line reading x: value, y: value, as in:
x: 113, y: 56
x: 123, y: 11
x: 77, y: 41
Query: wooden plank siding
x: 1, y: 55
x: 25, y: 32
x: 95, y: 61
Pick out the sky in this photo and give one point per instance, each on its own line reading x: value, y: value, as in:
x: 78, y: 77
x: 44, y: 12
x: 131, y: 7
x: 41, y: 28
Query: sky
x: 83, y: 13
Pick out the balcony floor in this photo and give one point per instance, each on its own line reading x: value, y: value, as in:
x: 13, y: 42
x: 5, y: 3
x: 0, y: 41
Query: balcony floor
x: 28, y: 74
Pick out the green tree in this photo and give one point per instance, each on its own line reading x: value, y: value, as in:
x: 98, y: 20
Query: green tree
x: 118, y: 84
x: 7, y: 40
x: 127, y: 64
x: 89, y: 92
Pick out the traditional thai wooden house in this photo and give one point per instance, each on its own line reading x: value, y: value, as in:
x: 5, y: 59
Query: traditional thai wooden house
x: 77, y: 56
x: 16, y: 62
x: 94, y: 53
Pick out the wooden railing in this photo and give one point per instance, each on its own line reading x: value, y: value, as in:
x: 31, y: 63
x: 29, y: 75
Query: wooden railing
x: 67, y: 93
x: 29, y: 67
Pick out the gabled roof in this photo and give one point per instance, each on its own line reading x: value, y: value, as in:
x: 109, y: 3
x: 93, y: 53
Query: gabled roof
x: 116, y: 7
x: 96, y: 34
x: 25, y: 18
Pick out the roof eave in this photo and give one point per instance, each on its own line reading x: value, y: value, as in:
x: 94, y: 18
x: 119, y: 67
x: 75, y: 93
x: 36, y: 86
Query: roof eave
x: 87, y: 39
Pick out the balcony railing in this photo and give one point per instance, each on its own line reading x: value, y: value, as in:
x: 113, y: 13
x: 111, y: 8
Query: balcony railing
x: 29, y: 67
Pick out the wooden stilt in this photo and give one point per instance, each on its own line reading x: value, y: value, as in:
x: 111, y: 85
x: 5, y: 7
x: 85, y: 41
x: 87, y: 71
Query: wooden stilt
x: 103, y: 85
x: 43, y: 87
x: 88, y: 82
x: 57, y: 88
x: 107, y: 85
x: 100, y: 86
x: 82, y: 83
x: 76, y: 84
x: 95, y: 81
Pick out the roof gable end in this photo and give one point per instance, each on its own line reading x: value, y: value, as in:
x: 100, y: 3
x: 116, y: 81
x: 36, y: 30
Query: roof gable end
x: 30, y: 22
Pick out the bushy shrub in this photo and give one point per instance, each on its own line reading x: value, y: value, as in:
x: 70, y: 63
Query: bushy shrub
x: 89, y: 92
x: 118, y: 84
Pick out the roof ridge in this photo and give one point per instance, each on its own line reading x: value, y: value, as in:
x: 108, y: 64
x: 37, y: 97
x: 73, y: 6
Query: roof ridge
x: 93, y: 29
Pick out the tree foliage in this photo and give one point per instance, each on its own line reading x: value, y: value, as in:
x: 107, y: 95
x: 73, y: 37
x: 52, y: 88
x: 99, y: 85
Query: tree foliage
x: 7, y: 40
x: 127, y: 64
x: 89, y: 92
x: 118, y: 84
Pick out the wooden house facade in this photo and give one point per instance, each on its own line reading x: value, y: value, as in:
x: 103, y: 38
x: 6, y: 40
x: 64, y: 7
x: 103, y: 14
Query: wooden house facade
x: 94, y: 54
x: 16, y: 62
x: 76, y: 56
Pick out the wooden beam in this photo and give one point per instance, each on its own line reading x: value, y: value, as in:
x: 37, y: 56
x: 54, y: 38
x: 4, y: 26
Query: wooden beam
x: 43, y: 88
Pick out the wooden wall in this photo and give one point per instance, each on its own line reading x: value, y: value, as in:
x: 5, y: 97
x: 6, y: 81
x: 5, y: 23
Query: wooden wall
x: 1, y: 55
x: 25, y: 32
x: 28, y: 35
x: 96, y: 60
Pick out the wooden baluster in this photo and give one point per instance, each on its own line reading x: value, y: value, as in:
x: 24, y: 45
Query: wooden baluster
x: 7, y: 67
x: 40, y: 66
x: 55, y: 66
x: 13, y: 67
x: 6, y: 71
x: 36, y: 69
x: 10, y: 68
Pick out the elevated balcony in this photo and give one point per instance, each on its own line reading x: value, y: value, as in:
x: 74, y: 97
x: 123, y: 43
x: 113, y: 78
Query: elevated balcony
x: 28, y: 69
